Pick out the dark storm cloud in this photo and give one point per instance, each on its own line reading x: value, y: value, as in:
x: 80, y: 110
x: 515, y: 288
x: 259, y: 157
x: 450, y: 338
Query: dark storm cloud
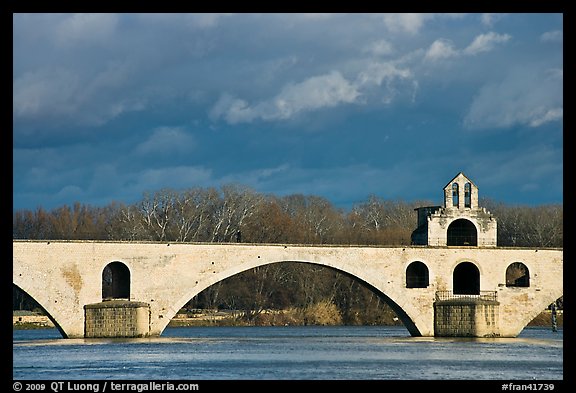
x: 108, y: 106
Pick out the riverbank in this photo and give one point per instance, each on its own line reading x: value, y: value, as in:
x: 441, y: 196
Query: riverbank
x: 24, y: 319
x: 288, y: 318
x: 545, y: 319
x: 293, y: 317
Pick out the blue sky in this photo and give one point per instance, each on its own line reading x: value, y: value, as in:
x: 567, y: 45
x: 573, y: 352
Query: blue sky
x: 344, y: 106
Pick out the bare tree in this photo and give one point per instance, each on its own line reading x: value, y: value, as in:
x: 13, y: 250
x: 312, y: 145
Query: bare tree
x: 157, y: 211
x: 128, y: 224
x: 527, y: 226
x: 378, y: 221
x: 547, y: 226
x: 314, y: 217
x: 237, y: 204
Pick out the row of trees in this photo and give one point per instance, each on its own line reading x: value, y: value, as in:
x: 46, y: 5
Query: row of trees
x: 237, y: 213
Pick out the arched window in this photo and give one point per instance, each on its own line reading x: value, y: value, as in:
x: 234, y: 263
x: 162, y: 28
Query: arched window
x: 454, y: 194
x: 115, y: 281
x: 467, y: 195
x: 462, y: 232
x: 466, y: 279
x: 517, y: 275
x: 417, y: 275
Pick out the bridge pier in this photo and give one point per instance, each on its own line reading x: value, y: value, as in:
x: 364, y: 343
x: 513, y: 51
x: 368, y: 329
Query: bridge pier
x: 466, y: 316
x: 117, y: 318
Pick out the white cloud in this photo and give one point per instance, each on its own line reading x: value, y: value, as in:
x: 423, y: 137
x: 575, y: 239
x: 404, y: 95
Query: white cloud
x: 196, y: 21
x: 205, y: 20
x: 167, y: 140
x: 73, y: 95
x: 394, y: 80
x: 486, y: 42
x: 318, y: 92
x: 406, y: 22
x: 444, y: 48
x: 525, y: 97
x: 552, y: 36
x: 555, y: 73
x: 317, y: 15
x: 379, y: 48
x: 489, y: 19
x: 233, y: 110
x: 441, y: 49
x: 45, y: 92
x: 412, y: 23
x: 376, y: 73
x: 553, y: 114
x: 323, y: 91
x: 80, y: 29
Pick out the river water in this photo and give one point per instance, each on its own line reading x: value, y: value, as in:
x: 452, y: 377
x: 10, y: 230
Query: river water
x: 289, y: 353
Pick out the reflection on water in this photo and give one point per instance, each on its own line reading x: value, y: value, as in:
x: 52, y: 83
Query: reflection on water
x: 304, y: 353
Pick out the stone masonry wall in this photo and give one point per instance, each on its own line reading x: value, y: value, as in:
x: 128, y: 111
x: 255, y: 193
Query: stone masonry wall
x: 117, y: 319
x: 471, y: 318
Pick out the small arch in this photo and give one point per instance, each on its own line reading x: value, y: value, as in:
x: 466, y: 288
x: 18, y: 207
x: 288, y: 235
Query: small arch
x: 466, y: 279
x: 115, y: 281
x: 417, y: 275
x: 467, y: 195
x: 517, y: 275
x: 462, y: 232
x: 455, y: 194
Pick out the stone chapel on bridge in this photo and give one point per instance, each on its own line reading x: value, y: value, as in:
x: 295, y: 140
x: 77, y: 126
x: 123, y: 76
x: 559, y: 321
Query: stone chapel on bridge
x: 460, y: 222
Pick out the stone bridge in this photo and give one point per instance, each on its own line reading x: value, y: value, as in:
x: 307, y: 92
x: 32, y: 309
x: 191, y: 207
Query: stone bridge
x: 65, y: 276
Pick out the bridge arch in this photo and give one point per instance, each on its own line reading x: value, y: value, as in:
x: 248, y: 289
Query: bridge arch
x: 466, y: 279
x: 44, y: 306
x: 116, y: 281
x: 417, y: 275
x: 462, y: 232
x: 517, y: 275
x: 405, y: 311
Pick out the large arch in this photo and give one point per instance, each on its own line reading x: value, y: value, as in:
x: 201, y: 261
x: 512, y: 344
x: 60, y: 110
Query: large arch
x: 43, y: 306
x: 403, y: 310
x: 466, y: 279
x: 462, y: 232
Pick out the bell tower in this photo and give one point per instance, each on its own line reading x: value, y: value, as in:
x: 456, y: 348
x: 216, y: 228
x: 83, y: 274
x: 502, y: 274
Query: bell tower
x: 459, y: 222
